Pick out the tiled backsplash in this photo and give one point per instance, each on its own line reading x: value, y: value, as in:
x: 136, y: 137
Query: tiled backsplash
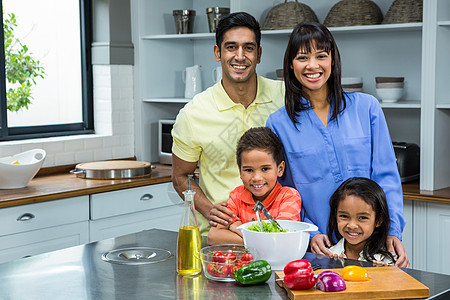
x: 114, y: 126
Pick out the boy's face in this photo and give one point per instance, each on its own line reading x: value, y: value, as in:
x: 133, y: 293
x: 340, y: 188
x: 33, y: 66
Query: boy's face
x: 259, y: 172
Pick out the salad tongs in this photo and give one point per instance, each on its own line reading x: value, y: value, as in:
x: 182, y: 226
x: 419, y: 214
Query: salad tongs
x: 258, y: 208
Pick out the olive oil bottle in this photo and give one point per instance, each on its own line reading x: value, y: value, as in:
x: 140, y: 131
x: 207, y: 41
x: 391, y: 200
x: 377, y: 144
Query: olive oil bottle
x: 189, y: 242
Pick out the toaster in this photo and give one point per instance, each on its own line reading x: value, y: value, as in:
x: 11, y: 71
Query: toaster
x: 407, y: 156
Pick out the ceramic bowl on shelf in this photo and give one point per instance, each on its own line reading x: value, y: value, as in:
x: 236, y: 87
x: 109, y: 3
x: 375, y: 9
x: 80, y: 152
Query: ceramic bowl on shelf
x: 292, y: 244
x: 17, y: 171
x: 389, y: 94
x: 220, y: 262
x: 389, y: 85
x: 389, y: 79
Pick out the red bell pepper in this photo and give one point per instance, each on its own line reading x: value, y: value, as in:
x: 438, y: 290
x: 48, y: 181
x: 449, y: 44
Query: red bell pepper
x: 299, y: 275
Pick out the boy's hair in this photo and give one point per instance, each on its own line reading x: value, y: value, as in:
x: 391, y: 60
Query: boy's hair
x: 237, y: 19
x: 371, y: 193
x: 261, y: 138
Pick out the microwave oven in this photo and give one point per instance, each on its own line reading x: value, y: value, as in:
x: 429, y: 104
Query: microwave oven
x: 165, y: 141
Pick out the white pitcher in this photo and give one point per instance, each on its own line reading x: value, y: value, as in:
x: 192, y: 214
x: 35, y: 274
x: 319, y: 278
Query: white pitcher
x: 192, y: 78
x: 217, y: 74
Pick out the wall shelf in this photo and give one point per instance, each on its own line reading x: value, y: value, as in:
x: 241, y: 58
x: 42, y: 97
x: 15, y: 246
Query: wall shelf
x: 444, y: 106
x: 401, y: 104
x: 167, y: 100
x: 444, y: 23
x: 344, y: 29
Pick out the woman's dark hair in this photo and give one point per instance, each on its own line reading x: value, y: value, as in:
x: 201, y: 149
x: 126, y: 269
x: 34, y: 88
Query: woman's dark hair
x: 237, y: 19
x: 260, y: 138
x: 371, y: 193
x: 306, y: 36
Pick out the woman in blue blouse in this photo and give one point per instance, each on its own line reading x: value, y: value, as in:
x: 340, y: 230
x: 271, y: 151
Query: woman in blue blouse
x: 330, y: 135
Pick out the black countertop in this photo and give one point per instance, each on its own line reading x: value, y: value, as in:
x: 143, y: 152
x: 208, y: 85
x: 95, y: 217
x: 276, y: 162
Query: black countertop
x: 80, y: 273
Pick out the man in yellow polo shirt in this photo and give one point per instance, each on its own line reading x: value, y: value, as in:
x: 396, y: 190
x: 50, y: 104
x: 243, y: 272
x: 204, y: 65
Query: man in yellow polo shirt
x: 208, y: 127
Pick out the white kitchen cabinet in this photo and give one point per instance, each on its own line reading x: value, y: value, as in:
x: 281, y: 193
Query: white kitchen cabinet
x: 32, y: 229
x: 126, y: 211
x: 417, y: 51
x: 426, y: 235
x: 407, y: 237
x: 437, y: 238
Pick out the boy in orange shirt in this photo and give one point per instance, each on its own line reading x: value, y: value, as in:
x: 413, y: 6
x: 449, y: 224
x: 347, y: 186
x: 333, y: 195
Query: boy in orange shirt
x: 259, y: 155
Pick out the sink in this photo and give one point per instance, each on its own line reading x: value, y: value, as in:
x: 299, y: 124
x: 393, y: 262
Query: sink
x: 137, y: 256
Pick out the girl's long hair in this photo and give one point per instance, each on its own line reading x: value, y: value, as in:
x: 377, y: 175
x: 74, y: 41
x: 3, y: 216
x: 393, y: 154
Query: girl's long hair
x: 305, y: 36
x: 371, y: 193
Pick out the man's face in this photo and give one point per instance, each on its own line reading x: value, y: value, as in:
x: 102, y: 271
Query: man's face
x: 238, y: 55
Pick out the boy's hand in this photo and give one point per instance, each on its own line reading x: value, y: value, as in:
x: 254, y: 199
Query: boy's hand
x: 220, y: 214
x: 320, y: 244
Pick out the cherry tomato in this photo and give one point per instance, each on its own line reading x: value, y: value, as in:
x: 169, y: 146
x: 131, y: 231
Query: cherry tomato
x: 236, y: 267
x: 218, y: 270
x: 247, y: 257
x: 230, y: 256
x: 218, y: 257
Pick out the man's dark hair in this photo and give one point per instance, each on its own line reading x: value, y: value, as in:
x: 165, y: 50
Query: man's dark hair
x: 237, y: 19
x: 261, y: 138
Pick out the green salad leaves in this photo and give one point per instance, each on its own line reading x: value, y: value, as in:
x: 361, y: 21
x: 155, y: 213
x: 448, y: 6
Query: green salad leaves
x: 267, y: 227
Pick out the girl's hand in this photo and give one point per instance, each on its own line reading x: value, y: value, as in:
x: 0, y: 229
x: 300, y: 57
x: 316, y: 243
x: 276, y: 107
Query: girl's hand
x: 336, y: 257
x: 380, y: 263
x: 320, y: 244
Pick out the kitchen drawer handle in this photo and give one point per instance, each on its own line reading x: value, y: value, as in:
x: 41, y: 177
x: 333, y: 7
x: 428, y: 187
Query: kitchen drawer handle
x: 146, y: 197
x: 25, y: 217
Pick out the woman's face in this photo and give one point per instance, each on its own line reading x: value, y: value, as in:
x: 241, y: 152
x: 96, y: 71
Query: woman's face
x: 312, y: 69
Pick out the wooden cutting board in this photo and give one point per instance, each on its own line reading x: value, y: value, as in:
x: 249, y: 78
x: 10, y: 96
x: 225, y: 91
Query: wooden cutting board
x: 385, y: 283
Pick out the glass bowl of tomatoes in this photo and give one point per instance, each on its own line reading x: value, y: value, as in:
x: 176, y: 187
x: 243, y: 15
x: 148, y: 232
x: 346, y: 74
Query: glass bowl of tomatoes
x: 220, y: 262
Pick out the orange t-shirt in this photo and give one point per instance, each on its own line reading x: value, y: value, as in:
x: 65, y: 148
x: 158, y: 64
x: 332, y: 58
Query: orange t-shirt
x: 283, y: 203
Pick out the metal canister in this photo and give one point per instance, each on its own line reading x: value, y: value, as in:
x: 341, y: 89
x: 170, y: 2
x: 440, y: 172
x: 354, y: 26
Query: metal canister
x: 184, y: 20
x: 214, y: 16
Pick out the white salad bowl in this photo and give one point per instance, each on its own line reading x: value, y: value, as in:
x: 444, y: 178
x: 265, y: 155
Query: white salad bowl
x: 279, y: 248
x: 17, y: 171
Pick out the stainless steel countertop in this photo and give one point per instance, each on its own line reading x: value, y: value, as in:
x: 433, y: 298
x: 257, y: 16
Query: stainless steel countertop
x: 80, y: 273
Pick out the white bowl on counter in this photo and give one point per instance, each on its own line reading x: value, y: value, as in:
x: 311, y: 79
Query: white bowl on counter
x: 279, y: 248
x: 16, y: 171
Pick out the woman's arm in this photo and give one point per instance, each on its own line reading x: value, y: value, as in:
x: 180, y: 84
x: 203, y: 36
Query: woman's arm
x: 385, y: 173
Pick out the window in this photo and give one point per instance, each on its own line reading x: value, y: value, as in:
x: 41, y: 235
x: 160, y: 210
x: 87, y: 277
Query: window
x: 45, y: 68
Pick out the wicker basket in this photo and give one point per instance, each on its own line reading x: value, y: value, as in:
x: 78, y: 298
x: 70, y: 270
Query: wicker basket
x: 404, y: 11
x: 288, y: 14
x: 353, y: 12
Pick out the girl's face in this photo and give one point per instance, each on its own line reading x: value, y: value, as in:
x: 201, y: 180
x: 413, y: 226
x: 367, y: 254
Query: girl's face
x: 259, y: 172
x: 312, y: 69
x: 355, y: 220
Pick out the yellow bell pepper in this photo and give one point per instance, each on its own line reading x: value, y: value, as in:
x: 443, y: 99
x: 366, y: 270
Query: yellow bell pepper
x: 355, y: 273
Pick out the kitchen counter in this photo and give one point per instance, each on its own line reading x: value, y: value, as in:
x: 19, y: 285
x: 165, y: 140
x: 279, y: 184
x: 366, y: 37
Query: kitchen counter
x: 80, y: 273
x: 50, y: 186
x: 59, y: 183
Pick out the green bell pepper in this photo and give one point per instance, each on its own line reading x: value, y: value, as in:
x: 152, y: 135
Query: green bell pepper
x: 253, y: 273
